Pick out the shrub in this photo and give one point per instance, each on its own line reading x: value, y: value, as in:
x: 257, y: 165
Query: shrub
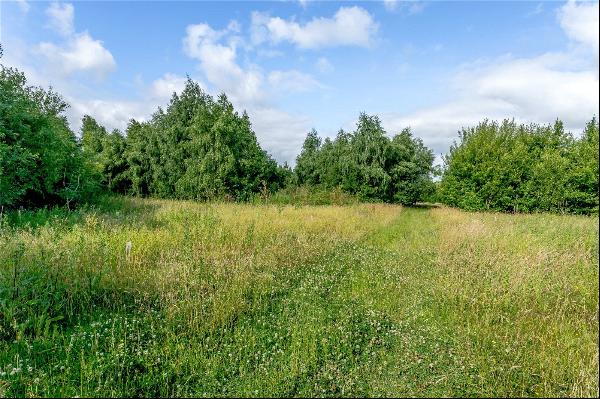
x: 522, y: 168
x: 41, y: 162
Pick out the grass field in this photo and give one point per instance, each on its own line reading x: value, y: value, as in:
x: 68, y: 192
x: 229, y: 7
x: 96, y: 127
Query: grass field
x: 255, y: 300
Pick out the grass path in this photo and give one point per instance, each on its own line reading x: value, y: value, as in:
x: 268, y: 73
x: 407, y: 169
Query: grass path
x: 355, y: 301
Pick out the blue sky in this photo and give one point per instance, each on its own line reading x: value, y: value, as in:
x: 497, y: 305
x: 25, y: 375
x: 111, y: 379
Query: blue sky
x: 295, y: 65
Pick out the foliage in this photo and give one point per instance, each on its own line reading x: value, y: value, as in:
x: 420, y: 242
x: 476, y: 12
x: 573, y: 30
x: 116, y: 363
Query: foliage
x: 308, y: 195
x: 366, y: 163
x: 201, y: 148
x: 198, y: 148
x: 106, y: 152
x: 522, y: 168
x: 41, y: 162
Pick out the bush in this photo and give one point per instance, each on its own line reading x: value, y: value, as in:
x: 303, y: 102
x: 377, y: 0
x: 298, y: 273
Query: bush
x: 40, y: 160
x: 522, y: 168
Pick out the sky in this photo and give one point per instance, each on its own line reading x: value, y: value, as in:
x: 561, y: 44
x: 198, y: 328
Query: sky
x: 434, y: 66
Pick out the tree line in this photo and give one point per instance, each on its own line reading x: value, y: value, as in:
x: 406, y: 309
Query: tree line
x: 368, y: 164
x: 512, y: 167
x: 197, y: 148
x: 201, y: 148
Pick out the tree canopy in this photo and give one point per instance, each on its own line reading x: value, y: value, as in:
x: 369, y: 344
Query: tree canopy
x: 201, y: 148
x: 198, y: 148
x: 41, y: 162
x: 523, y: 168
x: 368, y: 164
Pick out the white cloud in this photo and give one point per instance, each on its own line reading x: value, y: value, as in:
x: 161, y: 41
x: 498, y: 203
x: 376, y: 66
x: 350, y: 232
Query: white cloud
x: 258, y: 30
x: 196, y: 35
x: 279, y: 133
x: 530, y: 90
x: 409, y: 6
x: 580, y: 22
x: 80, y: 53
x: 390, y: 5
x: 323, y: 65
x: 350, y: 26
x: 537, y: 10
x: 61, y: 18
x: 269, y: 53
x: 112, y: 114
x: 164, y: 87
x: 234, y: 26
x: 292, y: 81
x: 218, y: 62
x: 249, y: 88
x: 217, y: 55
x: 23, y: 5
x: 540, y: 89
x: 416, y: 7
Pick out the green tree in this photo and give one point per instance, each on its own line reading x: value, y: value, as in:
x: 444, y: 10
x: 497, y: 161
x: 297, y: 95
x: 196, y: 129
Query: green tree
x: 411, y: 169
x: 41, y: 162
x: 369, y: 149
x: 106, y: 153
x: 140, y: 150
x: 197, y: 148
x: 368, y: 164
x: 583, y: 179
x: 306, y: 163
x: 522, y: 168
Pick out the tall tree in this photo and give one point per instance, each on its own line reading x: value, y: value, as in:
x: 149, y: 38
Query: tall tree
x: 306, y: 167
x: 41, y: 162
x: 106, y: 152
x: 368, y: 164
x: 140, y: 150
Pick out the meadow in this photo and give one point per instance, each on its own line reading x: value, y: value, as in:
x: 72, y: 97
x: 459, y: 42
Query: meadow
x: 226, y: 299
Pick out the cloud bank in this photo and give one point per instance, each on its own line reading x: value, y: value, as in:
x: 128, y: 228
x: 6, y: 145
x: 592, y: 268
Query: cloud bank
x: 540, y: 89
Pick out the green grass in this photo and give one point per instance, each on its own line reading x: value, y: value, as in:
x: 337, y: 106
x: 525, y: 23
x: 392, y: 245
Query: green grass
x: 279, y: 300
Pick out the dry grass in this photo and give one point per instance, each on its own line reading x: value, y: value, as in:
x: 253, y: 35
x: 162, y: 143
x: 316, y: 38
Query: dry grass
x: 230, y: 299
x: 523, y: 289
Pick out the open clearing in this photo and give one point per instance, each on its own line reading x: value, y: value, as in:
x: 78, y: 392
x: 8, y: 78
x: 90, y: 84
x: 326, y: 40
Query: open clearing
x: 249, y: 300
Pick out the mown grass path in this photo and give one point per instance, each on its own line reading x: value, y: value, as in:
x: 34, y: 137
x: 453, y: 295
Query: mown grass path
x: 347, y: 301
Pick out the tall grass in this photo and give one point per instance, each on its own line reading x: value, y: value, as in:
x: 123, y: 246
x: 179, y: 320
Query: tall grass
x: 280, y: 300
